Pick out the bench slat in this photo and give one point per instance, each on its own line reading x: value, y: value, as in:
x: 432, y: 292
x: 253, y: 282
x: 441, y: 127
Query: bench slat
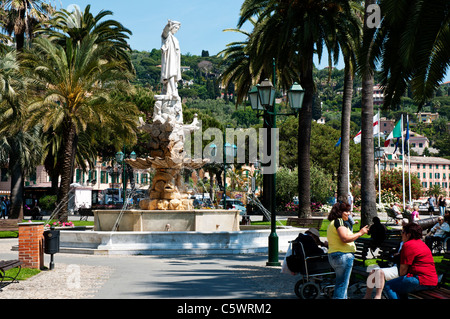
x: 304, y: 222
x: 438, y: 293
x: 9, y: 264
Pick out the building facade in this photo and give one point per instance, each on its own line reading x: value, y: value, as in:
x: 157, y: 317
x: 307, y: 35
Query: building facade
x: 99, y: 179
x: 430, y: 170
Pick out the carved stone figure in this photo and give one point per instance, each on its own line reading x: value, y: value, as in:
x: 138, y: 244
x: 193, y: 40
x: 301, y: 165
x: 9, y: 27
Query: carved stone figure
x: 167, y: 133
x: 170, y: 60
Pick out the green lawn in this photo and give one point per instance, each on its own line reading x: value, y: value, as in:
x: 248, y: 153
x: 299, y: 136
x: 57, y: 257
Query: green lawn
x: 15, y: 234
x: 24, y: 274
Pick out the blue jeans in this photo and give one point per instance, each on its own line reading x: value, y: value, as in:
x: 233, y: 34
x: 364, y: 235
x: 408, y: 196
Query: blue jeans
x: 399, y: 288
x: 342, y: 264
x: 442, y: 210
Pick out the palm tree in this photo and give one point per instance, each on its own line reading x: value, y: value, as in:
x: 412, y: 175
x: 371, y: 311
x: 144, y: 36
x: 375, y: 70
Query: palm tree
x: 413, y: 48
x: 368, y: 192
x: 20, y: 149
x: 75, y: 26
x: 74, y: 87
x: 238, y: 67
x: 21, y: 16
x: 346, y: 40
x: 291, y: 33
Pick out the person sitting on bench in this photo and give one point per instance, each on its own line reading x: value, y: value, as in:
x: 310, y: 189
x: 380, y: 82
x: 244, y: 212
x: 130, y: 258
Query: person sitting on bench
x: 438, y: 233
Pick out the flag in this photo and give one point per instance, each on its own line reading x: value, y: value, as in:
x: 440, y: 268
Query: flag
x: 396, y: 145
x: 357, y: 138
x: 407, y: 131
x: 396, y: 132
x: 338, y: 142
x: 405, y: 145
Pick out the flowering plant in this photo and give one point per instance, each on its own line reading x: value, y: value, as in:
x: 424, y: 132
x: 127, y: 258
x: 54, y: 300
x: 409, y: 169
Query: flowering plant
x: 291, y: 207
x: 316, y: 206
x: 60, y: 224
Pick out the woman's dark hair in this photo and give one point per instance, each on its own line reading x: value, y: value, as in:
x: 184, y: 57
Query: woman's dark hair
x: 414, y: 229
x: 338, y: 209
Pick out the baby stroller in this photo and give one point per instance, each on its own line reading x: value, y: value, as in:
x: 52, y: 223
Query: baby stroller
x: 318, y: 276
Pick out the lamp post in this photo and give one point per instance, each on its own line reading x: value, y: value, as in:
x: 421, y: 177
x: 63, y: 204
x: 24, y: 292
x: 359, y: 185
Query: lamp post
x: 379, y: 152
x: 228, y: 151
x: 120, y: 157
x: 262, y: 98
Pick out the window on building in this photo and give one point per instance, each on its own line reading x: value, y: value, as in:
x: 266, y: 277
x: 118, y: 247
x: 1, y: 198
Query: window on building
x: 420, y: 145
x: 104, y: 177
x: 92, y: 175
x: 424, y: 185
x: 424, y: 175
x: 78, y: 175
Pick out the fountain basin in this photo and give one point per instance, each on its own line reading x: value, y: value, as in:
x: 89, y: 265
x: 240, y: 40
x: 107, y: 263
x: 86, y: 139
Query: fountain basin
x: 168, y: 220
x: 173, y: 243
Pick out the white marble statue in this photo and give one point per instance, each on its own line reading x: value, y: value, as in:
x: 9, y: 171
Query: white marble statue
x: 170, y: 60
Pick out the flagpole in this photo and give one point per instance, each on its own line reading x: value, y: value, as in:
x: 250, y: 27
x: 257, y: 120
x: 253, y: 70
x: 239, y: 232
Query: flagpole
x: 379, y: 160
x: 409, y: 160
x: 403, y: 166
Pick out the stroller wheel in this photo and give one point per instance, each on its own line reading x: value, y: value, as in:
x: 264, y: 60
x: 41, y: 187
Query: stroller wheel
x: 309, y: 290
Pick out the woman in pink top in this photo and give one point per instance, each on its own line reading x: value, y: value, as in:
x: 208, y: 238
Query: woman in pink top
x: 415, y: 214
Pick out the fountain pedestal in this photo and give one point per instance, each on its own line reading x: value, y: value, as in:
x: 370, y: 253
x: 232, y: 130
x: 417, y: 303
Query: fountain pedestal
x: 168, y: 220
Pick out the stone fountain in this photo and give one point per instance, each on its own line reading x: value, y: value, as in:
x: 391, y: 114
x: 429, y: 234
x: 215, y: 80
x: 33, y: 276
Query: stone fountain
x: 166, y: 222
x: 168, y: 206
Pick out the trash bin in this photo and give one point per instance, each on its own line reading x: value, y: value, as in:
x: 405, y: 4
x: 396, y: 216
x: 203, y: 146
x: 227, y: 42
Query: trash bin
x: 51, y: 241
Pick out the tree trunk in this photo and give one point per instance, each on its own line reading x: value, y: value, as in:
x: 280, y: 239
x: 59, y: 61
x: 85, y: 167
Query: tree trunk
x: 343, y: 174
x: 67, y: 168
x: 17, y: 187
x: 304, y: 135
x: 368, y: 193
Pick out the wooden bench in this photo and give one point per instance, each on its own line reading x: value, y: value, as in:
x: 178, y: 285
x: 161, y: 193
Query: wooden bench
x: 9, y: 225
x: 383, y: 254
x: 361, y: 255
x: 6, y: 265
x: 442, y: 291
x: 304, y: 222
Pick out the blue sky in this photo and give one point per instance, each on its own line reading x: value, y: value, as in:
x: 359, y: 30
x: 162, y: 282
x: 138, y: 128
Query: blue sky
x: 202, y: 22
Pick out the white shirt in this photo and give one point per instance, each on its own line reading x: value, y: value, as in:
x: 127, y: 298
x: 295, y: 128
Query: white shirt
x: 440, y: 231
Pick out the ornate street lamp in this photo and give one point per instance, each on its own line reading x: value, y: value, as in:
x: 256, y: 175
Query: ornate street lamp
x: 295, y: 95
x: 120, y: 157
x: 262, y: 97
x: 228, y: 151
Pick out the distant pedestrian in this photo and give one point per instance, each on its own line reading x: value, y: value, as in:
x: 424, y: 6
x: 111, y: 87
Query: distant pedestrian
x: 3, y: 208
x: 415, y: 214
x: 431, y: 204
x: 8, y: 205
x: 442, y: 204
